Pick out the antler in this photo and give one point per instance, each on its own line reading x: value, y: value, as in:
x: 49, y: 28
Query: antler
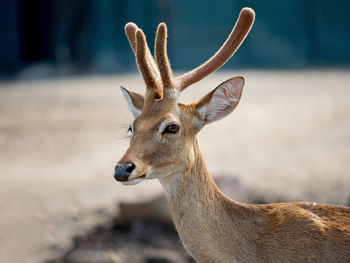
x: 144, y: 65
x: 130, y: 31
x: 162, y: 57
x: 158, y: 75
x: 235, y: 39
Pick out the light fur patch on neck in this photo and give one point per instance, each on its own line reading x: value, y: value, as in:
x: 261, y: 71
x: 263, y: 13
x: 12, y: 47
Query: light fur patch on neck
x: 170, y: 185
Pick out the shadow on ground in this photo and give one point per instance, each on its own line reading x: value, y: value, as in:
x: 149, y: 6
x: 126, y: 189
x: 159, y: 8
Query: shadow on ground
x: 135, y: 242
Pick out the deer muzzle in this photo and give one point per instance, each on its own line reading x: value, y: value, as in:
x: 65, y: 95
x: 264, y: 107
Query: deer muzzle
x: 122, y: 172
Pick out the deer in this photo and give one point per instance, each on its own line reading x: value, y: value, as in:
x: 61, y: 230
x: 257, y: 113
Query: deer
x: 164, y: 146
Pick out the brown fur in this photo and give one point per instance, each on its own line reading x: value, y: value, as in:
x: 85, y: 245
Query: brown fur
x: 212, y: 227
x: 216, y: 229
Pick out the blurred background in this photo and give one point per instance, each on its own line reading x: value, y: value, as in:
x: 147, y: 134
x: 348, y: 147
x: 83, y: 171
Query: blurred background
x: 63, y: 121
x: 53, y: 38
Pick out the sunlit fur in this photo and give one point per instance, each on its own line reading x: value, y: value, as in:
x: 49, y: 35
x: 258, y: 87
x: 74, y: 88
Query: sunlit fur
x: 153, y: 153
x: 212, y: 227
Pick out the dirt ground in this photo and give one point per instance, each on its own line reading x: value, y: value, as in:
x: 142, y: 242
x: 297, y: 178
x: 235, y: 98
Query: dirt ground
x: 289, y: 139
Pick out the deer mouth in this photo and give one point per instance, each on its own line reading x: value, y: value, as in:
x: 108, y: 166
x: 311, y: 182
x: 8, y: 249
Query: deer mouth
x: 134, y: 180
x: 140, y: 177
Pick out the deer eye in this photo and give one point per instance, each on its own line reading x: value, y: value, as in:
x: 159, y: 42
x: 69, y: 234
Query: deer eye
x: 172, y: 128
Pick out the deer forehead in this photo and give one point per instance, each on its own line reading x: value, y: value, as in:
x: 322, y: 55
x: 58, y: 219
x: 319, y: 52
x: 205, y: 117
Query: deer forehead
x: 164, y: 113
x: 156, y: 123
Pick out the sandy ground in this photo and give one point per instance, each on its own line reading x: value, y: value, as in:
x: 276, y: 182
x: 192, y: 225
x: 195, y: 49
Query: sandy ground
x: 289, y: 139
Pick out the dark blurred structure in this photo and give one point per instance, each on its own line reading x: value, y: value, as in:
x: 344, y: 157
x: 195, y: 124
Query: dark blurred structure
x: 59, y: 37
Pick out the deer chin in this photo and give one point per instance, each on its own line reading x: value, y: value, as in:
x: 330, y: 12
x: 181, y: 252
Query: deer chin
x: 133, y: 181
x: 156, y: 174
x: 136, y: 177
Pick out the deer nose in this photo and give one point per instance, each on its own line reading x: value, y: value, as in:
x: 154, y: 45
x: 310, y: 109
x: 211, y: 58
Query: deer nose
x: 123, y: 171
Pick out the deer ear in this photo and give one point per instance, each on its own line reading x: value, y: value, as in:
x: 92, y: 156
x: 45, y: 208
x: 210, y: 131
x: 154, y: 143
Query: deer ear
x: 135, y: 101
x: 221, y: 101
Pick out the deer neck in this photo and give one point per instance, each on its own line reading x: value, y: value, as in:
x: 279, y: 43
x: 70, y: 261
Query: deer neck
x: 193, y: 184
x: 201, y: 212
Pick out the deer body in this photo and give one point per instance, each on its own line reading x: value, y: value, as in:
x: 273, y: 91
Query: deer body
x: 164, y: 146
x: 214, y: 228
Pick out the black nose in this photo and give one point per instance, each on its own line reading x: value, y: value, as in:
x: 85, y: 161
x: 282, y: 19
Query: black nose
x: 123, y: 171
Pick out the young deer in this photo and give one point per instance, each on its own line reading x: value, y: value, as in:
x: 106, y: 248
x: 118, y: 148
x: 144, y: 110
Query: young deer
x: 164, y: 146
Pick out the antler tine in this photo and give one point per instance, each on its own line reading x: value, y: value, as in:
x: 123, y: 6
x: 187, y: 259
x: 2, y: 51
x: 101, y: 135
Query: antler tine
x: 235, y: 39
x: 143, y: 63
x: 162, y: 57
x: 130, y: 31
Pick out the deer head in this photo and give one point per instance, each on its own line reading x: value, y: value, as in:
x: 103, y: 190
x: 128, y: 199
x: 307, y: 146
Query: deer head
x: 164, y: 130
